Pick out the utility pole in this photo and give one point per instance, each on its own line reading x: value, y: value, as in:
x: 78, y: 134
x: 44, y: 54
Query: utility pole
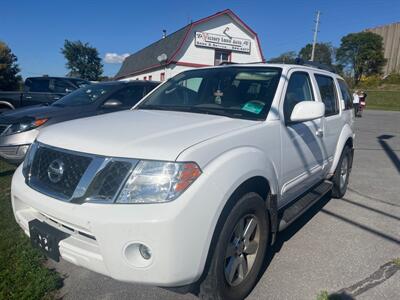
x: 315, y: 36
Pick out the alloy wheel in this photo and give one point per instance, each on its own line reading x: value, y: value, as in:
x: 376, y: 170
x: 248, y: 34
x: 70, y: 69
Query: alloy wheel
x: 242, y: 250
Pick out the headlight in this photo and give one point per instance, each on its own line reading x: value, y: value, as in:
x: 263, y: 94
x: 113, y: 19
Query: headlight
x: 30, y: 154
x: 21, y: 127
x: 156, y: 182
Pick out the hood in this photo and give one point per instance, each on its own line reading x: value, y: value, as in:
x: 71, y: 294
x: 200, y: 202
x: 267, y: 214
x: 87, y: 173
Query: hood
x: 31, y: 113
x: 54, y: 113
x: 145, y: 134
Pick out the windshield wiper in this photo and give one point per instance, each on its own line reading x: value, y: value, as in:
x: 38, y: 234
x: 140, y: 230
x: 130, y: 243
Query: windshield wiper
x: 237, y: 114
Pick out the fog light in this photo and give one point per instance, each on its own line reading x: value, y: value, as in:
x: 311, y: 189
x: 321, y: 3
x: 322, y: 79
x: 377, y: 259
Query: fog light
x: 145, y: 252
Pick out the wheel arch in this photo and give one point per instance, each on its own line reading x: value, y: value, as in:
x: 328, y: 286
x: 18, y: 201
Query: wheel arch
x: 7, y: 104
x: 261, y: 186
x: 346, y: 138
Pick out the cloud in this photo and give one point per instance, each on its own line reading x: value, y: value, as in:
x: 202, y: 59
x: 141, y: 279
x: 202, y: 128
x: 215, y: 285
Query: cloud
x: 114, y: 58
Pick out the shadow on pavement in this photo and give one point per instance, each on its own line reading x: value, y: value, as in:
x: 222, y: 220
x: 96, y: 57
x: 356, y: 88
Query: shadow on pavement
x: 289, y: 232
x: 389, y: 151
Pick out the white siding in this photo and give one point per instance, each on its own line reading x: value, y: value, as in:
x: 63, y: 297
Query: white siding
x: 192, y: 54
x: 201, y: 55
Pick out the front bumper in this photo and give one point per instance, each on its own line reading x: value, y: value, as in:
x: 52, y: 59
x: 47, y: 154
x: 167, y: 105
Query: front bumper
x: 13, y: 147
x: 103, y: 236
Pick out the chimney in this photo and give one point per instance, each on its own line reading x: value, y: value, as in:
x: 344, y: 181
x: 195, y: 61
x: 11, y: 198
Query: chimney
x: 164, y: 33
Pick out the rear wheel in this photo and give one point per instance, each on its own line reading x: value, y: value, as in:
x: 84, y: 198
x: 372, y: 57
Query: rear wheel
x: 240, y: 250
x: 341, y: 177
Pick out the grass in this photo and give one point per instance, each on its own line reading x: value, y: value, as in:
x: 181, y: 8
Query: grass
x: 22, y: 273
x: 397, y: 261
x: 383, y: 100
x: 324, y: 295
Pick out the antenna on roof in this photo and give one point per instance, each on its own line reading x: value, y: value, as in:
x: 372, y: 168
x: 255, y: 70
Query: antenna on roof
x: 164, y: 33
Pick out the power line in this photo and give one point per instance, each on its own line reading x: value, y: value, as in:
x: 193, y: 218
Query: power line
x: 315, y: 36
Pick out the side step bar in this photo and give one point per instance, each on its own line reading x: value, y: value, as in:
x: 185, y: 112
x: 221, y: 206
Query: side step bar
x: 291, y: 212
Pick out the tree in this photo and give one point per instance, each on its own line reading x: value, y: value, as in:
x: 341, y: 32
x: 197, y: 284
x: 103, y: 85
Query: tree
x: 323, y: 53
x: 82, y: 60
x: 9, y: 78
x: 286, y: 58
x: 362, y: 53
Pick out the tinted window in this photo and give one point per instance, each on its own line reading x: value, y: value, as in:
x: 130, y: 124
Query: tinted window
x: 62, y: 86
x: 85, y: 95
x: 298, y: 90
x: 327, y: 90
x: 236, y: 92
x: 129, y: 96
x: 38, y: 85
x: 346, y: 96
x: 80, y: 83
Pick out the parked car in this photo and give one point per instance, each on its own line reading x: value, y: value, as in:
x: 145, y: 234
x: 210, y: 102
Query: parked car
x: 191, y: 187
x: 39, y: 90
x: 19, y: 128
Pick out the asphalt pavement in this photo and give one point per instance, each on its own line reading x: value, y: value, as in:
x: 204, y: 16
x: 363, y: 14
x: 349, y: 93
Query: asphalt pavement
x: 342, y: 246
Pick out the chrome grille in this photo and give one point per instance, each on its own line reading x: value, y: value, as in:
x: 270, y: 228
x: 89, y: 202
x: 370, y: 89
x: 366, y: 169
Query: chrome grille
x: 74, y: 166
x: 85, y: 177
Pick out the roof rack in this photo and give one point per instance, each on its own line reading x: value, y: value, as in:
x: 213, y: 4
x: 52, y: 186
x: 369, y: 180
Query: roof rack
x: 314, y: 64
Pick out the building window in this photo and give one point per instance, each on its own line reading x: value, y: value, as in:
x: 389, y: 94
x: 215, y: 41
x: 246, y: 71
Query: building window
x: 221, y: 56
x: 145, y: 78
x: 150, y: 77
x: 162, y: 76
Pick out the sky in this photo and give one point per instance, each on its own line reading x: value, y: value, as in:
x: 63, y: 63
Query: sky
x: 36, y: 30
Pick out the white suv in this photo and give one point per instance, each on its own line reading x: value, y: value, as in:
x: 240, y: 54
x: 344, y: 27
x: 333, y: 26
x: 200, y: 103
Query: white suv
x: 191, y: 186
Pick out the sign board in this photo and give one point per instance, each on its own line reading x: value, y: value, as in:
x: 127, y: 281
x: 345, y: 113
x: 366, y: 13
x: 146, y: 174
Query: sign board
x: 211, y: 40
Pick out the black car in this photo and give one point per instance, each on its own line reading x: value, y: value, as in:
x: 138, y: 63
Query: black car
x: 39, y: 90
x: 19, y: 128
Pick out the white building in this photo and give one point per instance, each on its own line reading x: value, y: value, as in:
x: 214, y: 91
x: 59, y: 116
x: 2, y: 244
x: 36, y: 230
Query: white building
x: 222, y: 37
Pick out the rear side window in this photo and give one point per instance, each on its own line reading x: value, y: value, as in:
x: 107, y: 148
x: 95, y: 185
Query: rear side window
x: 38, y: 85
x: 62, y: 86
x: 327, y: 90
x: 346, y: 96
x: 298, y: 90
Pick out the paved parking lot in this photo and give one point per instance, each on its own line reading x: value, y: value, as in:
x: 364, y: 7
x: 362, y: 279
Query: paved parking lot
x: 338, y: 244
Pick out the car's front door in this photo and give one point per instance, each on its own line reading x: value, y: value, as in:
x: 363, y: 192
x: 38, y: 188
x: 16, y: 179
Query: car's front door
x: 303, y: 154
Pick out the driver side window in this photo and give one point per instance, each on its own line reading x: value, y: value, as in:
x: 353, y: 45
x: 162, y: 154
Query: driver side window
x: 299, y: 89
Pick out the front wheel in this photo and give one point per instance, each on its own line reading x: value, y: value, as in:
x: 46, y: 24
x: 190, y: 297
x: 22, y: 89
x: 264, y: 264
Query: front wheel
x: 239, y: 252
x: 341, y: 176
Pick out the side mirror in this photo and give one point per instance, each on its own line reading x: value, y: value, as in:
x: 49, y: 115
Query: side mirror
x: 307, y: 110
x: 112, y: 103
x: 68, y: 90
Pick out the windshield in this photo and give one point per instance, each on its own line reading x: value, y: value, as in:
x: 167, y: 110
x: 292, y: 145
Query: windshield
x: 85, y: 95
x: 236, y: 92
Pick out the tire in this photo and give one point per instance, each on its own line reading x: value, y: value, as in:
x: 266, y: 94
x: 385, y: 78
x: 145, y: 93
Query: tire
x: 226, y: 277
x: 342, y: 173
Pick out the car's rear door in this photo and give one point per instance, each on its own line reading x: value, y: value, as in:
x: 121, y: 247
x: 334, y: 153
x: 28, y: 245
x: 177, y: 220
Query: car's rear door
x: 328, y: 93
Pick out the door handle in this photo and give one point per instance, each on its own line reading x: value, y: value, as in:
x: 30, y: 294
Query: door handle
x: 319, y: 133
x: 28, y: 97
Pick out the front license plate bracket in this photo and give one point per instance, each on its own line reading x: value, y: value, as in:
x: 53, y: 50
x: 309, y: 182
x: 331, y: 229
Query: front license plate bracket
x: 46, y: 238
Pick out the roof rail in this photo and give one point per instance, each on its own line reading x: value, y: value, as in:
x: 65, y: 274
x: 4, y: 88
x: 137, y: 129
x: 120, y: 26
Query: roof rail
x: 314, y: 64
x: 224, y: 63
